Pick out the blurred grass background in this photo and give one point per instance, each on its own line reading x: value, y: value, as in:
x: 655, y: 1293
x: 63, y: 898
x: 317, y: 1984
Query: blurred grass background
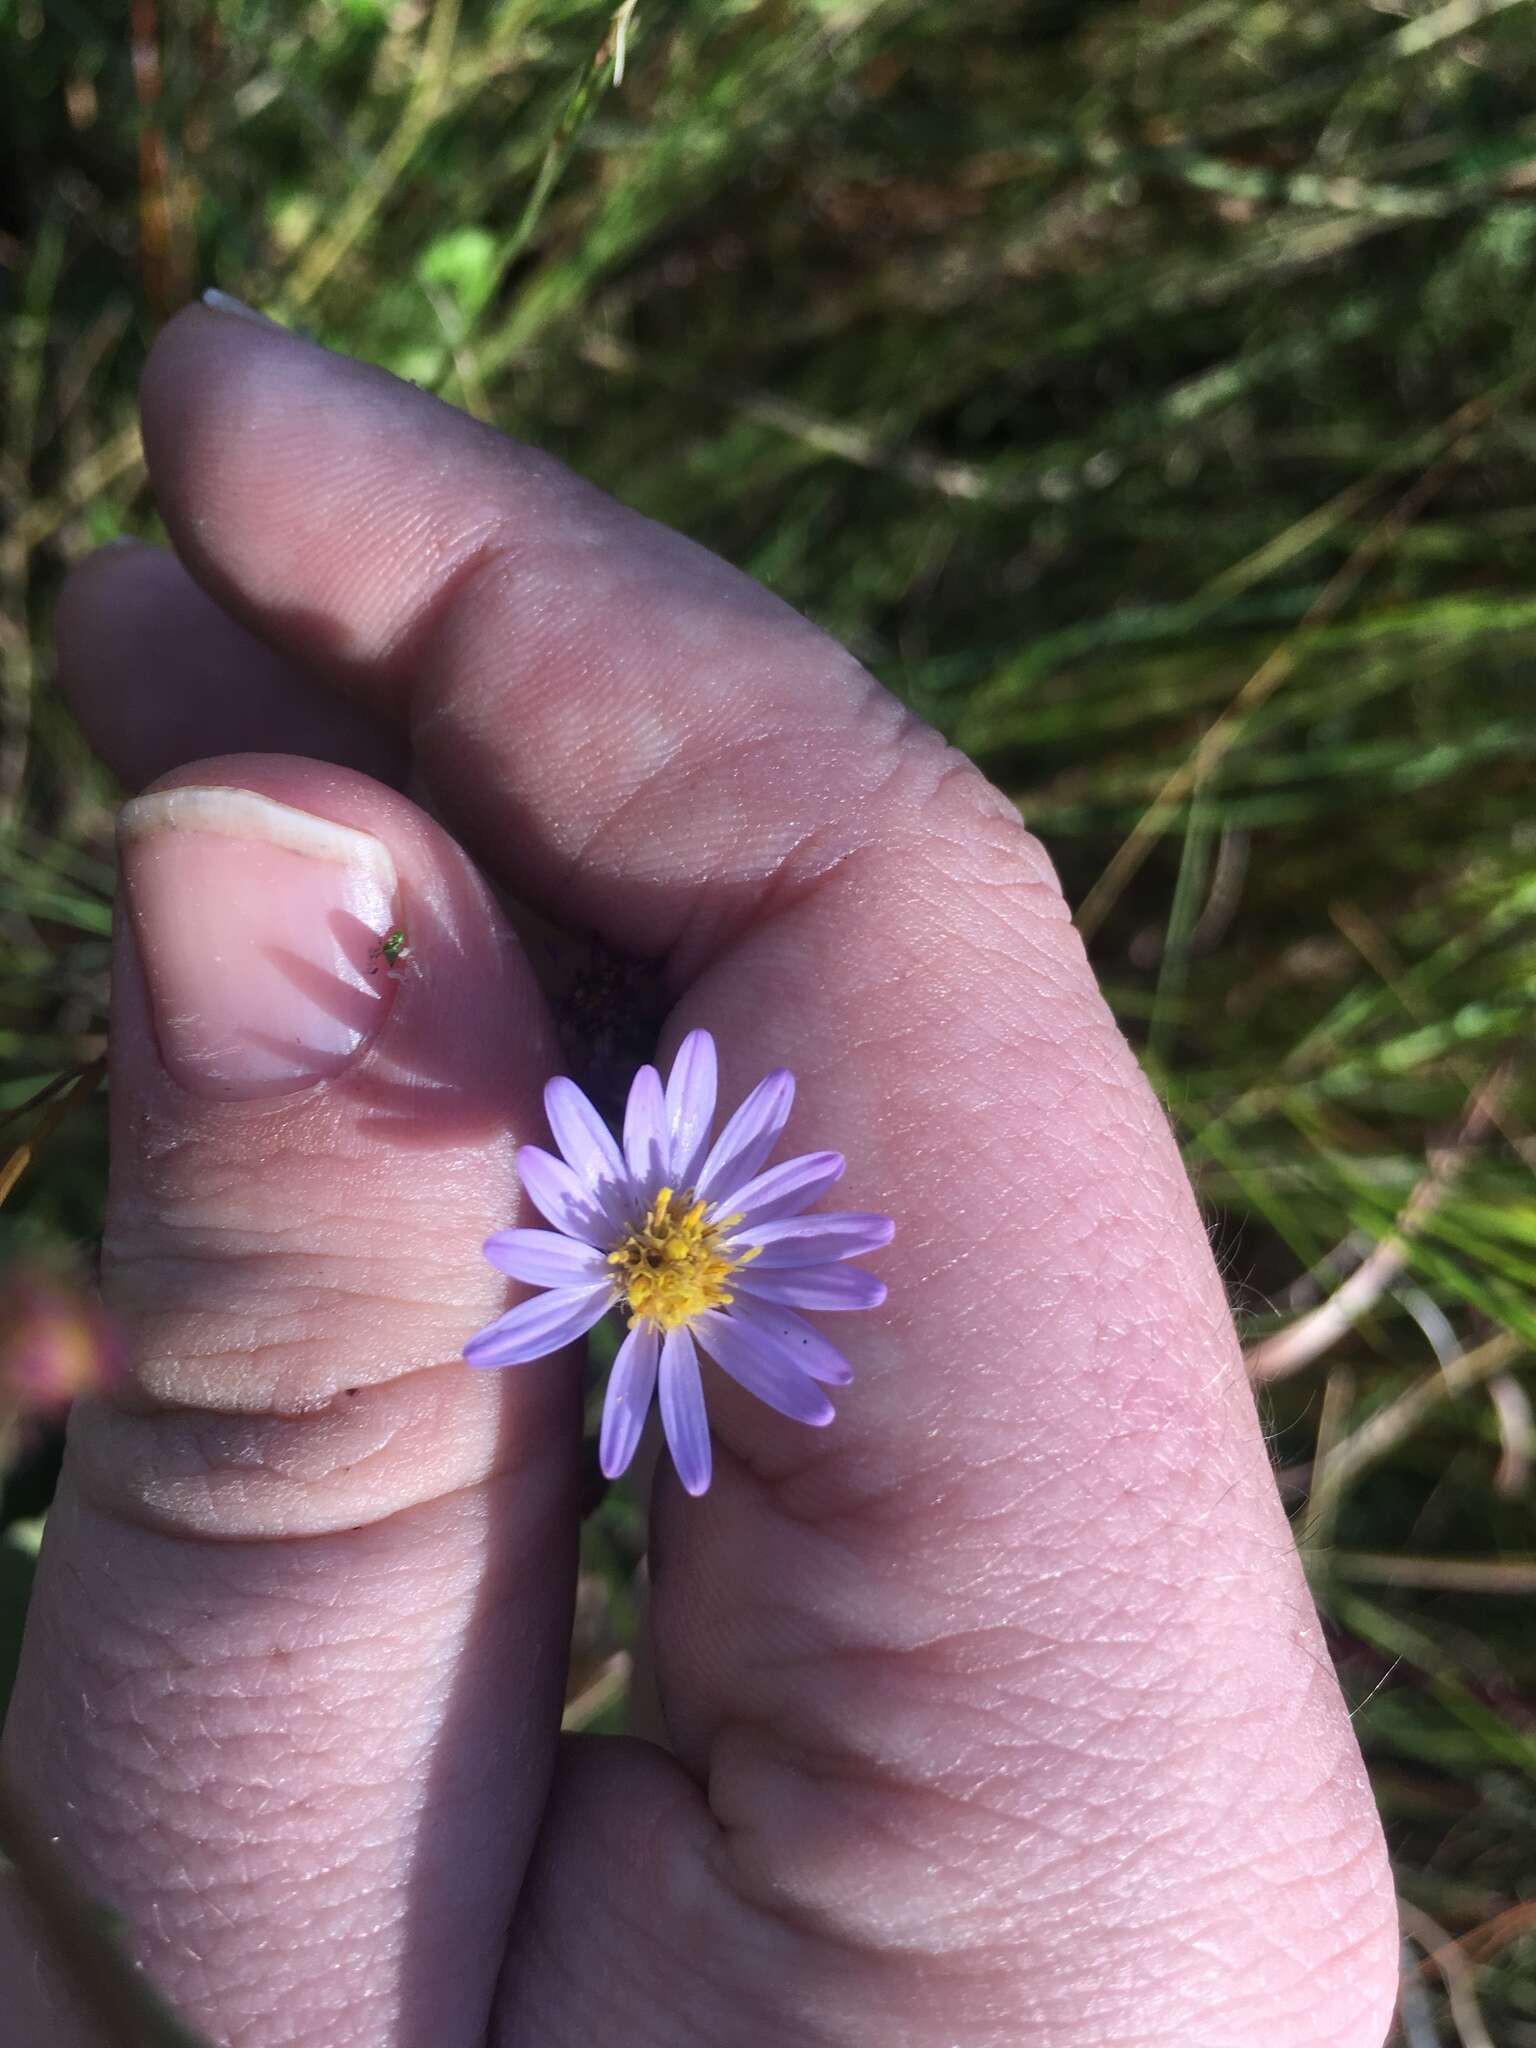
x: 1147, y: 392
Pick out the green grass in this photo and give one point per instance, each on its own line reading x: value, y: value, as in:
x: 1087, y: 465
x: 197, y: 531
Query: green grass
x: 1148, y: 393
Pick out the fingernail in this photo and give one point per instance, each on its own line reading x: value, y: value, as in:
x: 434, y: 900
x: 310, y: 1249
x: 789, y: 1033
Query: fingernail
x: 259, y: 927
x: 226, y: 302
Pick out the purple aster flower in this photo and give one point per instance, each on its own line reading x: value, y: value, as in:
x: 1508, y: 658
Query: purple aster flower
x: 695, y: 1243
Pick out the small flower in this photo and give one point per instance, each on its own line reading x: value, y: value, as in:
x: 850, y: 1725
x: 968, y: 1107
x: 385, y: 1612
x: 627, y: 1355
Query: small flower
x: 56, y: 1343
x: 695, y: 1244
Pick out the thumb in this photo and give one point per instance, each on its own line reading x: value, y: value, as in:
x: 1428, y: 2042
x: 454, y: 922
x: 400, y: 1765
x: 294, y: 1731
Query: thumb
x: 291, y: 1683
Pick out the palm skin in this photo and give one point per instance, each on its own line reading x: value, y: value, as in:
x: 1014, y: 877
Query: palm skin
x: 996, y: 1712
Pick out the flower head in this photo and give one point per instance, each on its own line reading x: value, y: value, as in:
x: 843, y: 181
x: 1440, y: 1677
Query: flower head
x: 695, y: 1244
x: 56, y: 1343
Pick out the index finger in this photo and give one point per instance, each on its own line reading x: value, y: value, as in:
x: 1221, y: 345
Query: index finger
x: 664, y: 740
x: 1034, y: 1588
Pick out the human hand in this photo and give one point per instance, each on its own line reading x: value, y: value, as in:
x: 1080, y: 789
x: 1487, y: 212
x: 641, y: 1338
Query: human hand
x: 997, y: 1711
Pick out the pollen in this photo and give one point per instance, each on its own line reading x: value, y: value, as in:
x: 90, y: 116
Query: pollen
x: 673, y: 1264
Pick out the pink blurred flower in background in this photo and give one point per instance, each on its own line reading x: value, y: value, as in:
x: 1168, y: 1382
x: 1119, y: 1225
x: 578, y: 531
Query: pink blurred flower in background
x: 56, y: 1342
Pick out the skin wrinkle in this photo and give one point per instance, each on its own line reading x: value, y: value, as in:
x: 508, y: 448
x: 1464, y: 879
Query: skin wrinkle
x: 320, y: 1393
x: 1008, y: 1999
x: 198, y: 1350
x: 627, y: 1993
x: 879, y: 785
x: 819, y: 1657
x: 166, y: 1244
x: 493, y: 550
x: 362, y: 1516
x: 928, y: 1779
x: 793, y: 874
x: 1061, y: 1905
x: 286, y: 1735
x: 999, y: 877
x: 904, y: 859
x: 778, y: 1959
x: 401, y: 529
x: 220, y: 1217
x: 199, y: 1185
x: 230, y: 1864
x: 649, y: 793
x: 1111, y: 1708
x: 301, y: 1279
x: 1138, y: 1691
x: 937, y: 1924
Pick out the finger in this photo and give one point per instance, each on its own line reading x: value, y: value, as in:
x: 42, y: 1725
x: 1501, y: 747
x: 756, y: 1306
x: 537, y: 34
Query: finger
x: 1033, y: 1589
x: 158, y: 676
x: 293, y: 1671
x: 666, y: 740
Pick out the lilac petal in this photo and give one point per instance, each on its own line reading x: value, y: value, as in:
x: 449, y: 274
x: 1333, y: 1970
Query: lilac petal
x: 797, y: 1338
x: 758, y: 1364
x: 627, y: 1401
x: 750, y: 1135
x: 586, y: 1142
x: 546, y: 1259
x: 825, y: 1287
x: 535, y: 1328
x: 784, y: 1190
x: 691, y: 1105
x: 683, y: 1415
x: 647, y: 1152
x: 563, y: 1199
x: 815, y: 1240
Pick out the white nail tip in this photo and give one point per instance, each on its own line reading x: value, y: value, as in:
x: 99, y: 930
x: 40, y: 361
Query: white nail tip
x: 226, y: 302
x: 245, y: 814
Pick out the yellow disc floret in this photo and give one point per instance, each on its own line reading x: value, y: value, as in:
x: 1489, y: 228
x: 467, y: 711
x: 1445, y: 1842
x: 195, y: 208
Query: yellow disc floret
x: 672, y: 1265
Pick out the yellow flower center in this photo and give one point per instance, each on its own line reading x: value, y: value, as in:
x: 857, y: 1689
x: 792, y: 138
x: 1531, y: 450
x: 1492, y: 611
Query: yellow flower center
x: 672, y: 1265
